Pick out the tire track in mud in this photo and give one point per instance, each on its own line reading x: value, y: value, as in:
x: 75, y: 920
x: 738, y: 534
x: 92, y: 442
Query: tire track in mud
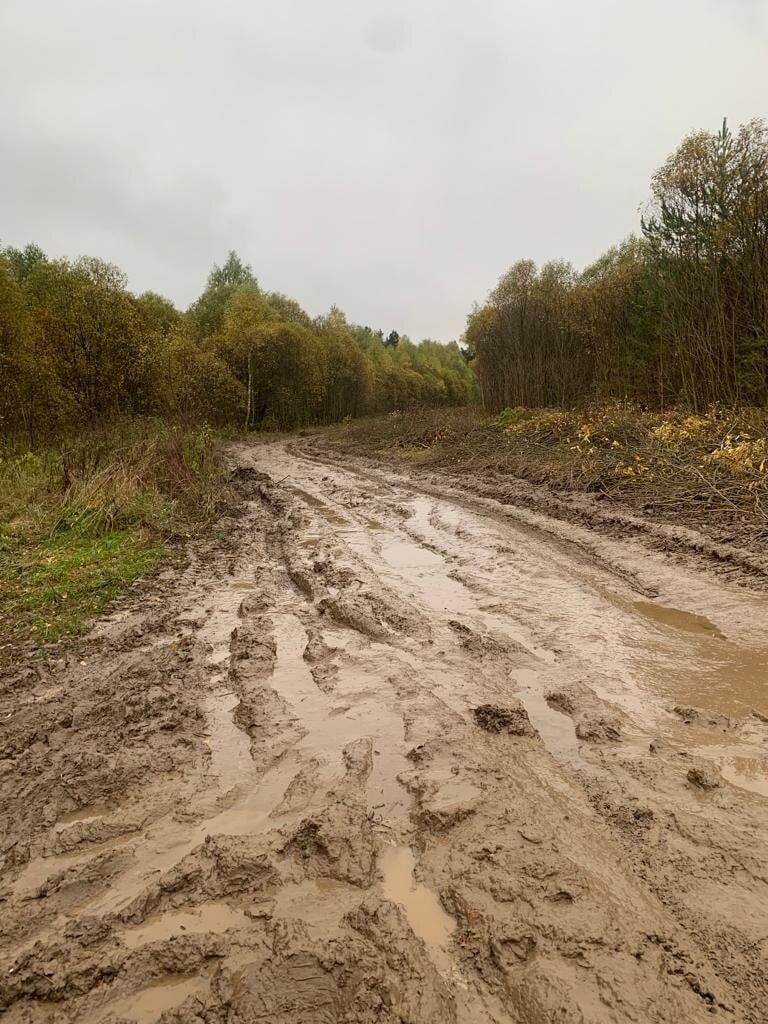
x: 384, y: 757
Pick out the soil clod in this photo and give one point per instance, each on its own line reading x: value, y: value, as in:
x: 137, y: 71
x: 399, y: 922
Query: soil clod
x: 512, y: 719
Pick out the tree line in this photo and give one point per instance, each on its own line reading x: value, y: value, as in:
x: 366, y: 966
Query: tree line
x: 675, y: 315
x: 78, y: 348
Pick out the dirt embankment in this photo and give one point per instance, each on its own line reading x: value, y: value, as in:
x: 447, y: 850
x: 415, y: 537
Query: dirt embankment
x: 386, y: 752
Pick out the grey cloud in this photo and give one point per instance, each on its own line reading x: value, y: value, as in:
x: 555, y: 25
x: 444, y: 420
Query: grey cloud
x: 392, y: 158
x: 387, y: 33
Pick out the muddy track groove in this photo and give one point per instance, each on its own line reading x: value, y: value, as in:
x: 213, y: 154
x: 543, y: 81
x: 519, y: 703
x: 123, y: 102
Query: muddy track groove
x: 383, y: 752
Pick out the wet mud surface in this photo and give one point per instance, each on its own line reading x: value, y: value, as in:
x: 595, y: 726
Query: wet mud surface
x: 386, y: 751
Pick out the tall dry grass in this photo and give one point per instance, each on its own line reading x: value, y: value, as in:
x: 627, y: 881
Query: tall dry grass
x: 138, y: 474
x: 81, y: 521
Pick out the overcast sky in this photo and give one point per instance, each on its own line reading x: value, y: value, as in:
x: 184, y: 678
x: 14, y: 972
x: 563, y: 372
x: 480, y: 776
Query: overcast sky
x: 392, y: 158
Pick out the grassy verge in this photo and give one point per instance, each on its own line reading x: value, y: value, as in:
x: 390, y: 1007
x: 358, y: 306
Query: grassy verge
x: 707, y: 470
x: 80, y: 522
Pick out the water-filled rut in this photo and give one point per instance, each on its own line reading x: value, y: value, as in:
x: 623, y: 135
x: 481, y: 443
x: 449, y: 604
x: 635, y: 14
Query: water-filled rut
x: 387, y: 751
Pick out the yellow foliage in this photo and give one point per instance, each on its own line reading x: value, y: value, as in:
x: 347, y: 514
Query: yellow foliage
x: 740, y: 456
x: 639, y: 469
x: 674, y: 433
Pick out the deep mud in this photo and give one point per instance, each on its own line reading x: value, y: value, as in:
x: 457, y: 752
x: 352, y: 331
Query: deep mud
x: 383, y: 752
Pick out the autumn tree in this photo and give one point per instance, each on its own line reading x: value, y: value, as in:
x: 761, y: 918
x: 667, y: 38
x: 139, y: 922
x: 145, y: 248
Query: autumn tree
x: 17, y: 398
x: 707, y: 224
x: 192, y: 383
x: 288, y: 377
x: 207, y: 313
x: 77, y: 347
x: 88, y: 330
x: 246, y: 331
x: 346, y: 370
x: 23, y: 260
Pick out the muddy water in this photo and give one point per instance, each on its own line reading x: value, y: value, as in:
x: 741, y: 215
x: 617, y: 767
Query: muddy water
x: 422, y: 907
x: 318, y: 903
x: 382, y: 789
x: 146, y: 1005
x: 555, y: 727
x: 230, y: 751
x: 749, y: 773
x: 365, y: 716
x: 559, y: 606
x: 211, y: 917
x: 677, y: 619
x: 84, y: 814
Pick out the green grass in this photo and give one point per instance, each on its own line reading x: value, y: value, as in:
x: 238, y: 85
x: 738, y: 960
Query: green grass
x: 81, y: 521
x: 52, y: 589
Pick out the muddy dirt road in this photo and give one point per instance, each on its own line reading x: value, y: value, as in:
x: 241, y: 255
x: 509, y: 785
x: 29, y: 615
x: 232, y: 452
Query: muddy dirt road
x: 383, y: 754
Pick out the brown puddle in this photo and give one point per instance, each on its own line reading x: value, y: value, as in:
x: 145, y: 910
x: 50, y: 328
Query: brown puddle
x: 37, y: 871
x: 555, y: 728
x: 688, y: 661
x: 425, y: 914
x: 210, y: 917
x: 407, y: 554
x: 291, y: 677
x: 147, y: 1004
x: 677, y: 619
x: 219, y: 612
x: 750, y: 773
x: 405, y: 561
x: 722, y: 677
x: 90, y: 813
x: 230, y: 747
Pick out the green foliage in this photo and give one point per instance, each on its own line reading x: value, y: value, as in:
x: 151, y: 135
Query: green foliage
x: 158, y: 317
x: 105, y: 456
x: 77, y: 348
x: 16, y: 352
x: 50, y: 589
x: 707, y: 225
x: 80, y: 521
x: 207, y: 314
x: 86, y: 335
x: 680, y: 315
x: 23, y: 260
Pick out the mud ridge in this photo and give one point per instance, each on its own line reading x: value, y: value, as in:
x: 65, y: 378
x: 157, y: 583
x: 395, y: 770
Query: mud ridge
x: 387, y: 751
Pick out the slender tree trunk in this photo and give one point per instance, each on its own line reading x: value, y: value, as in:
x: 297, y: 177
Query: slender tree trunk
x: 249, y: 396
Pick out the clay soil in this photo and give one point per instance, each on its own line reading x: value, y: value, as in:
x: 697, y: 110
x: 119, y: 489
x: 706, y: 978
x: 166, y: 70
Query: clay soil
x: 390, y: 749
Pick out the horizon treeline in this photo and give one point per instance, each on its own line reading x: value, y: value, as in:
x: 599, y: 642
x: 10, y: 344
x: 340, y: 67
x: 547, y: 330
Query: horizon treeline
x: 677, y: 315
x: 78, y: 349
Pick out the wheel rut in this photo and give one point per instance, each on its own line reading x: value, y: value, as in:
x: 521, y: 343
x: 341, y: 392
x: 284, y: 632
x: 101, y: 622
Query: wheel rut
x: 385, y: 755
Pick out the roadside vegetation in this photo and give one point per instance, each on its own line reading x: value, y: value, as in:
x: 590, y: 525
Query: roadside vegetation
x: 675, y: 317
x: 708, y: 470
x: 81, y: 520
x: 112, y: 406
x: 77, y: 349
x: 643, y: 378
